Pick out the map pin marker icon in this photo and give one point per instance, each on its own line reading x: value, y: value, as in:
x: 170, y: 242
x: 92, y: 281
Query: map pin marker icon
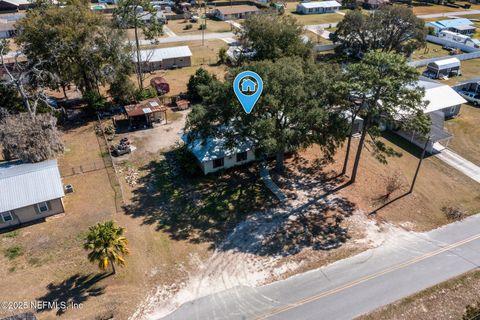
x: 248, y: 87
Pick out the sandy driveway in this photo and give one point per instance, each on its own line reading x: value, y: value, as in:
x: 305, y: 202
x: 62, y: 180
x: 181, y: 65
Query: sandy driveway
x: 161, y: 137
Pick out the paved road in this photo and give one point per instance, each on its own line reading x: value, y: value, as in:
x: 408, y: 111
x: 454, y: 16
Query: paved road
x: 449, y: 14
x: 193, y: 37
x: 403, y: 265
x: 461, y: 164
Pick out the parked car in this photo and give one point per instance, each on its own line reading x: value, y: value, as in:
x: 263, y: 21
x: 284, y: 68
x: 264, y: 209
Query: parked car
x: 161, y: 85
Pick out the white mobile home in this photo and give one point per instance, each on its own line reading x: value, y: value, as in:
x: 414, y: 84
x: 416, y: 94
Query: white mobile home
x: 443, y: 102
x: 459, y: 38
x: 318, y: 7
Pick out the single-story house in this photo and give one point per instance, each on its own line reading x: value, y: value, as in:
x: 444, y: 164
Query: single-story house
x: 446, y: 67
x: 318, y: 7
x: 165, y: 58
x: 14, y: 5
x: 372, y: 4
x: 7, y: 29
x: 29, y: 192
x: 459, y: 38
x: 145, y: 113
x: 234, y: 12
x: 443, y: 103
x: 459, y: 25
x: 213, y: 154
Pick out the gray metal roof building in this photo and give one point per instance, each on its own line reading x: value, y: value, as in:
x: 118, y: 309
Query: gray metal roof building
x: 24, y: 184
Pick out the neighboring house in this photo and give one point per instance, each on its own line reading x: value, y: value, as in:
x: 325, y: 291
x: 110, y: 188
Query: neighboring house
x: 14, y: 5
x: 147, y: 17
x: 165, y: 58
x: 318, y: 7
x: 372, y: 4
x: 444, y: 68
x: 29, y: 192
x: 459, y: 25
x: 443, y: 103
x: 459, y: 38
x: 248, y: 85
x: 235, y: 12
x: 213, y: 155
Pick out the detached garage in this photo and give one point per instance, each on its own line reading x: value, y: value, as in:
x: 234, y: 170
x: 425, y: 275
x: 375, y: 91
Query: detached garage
x: 444, y: 68
x: 165, y: 58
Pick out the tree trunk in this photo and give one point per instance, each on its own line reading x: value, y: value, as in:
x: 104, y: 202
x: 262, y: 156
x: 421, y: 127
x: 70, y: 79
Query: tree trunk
x: 114, y: 270
x: 139, y: 58
x: 279, y: 167
x: 349, y: 143
x: 64, y: 92
x: 359, y: 150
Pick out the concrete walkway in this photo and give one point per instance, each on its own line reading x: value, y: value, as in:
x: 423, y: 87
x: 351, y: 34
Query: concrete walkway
x: 265, y: 175
x: 169, y: 31
x: 461, y: 164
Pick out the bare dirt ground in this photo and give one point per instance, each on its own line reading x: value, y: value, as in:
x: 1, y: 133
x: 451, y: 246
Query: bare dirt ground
x: 447, y: 300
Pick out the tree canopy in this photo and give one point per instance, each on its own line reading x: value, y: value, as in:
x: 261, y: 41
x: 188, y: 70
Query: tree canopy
x: 388, y: 29
x: 30, y: 139
x: 293, y: 111
x: 386, y: 92
x: 75, y: 44
x: 273, y: 37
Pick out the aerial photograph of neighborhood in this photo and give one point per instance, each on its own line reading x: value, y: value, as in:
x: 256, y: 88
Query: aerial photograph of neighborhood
x: 239, y: 159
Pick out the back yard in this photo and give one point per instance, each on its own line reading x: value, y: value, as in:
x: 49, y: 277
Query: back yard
x: 307, y: 19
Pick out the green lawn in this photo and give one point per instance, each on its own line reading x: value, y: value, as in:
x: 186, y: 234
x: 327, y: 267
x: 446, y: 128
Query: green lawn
x: 430, y: 51
x: 307, y: 19
x: 466, y: 133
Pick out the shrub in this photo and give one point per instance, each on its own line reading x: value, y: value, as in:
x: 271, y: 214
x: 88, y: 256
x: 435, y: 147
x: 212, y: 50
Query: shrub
x: 453, y: 213
x: 188, y: 27
x: 202, y: 27
x: 146, y: 93
x: 472, y: 312
x: 186, y: 161
x: 394, y: 183
x: 222, y: 55
x: 11, y: 234
x: 13, y: 252
x: 95, y: 102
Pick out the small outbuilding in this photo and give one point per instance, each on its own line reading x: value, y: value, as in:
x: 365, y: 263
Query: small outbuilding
x: 444, y: 68
x: 318, y: 7
x: 7, y: 29
x: 235, y: 12
x: 146, y: 113
x: 14, y: 5
x: 165, y: 58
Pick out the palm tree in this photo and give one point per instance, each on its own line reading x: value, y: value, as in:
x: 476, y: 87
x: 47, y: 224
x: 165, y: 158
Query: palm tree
x: 106, y: 244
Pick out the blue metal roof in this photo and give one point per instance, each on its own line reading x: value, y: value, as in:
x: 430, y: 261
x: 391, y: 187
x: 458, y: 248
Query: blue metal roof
x: 451, y: 23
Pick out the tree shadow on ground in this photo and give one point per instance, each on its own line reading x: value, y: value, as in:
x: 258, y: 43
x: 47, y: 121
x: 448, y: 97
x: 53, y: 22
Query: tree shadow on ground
x: 196, y: 208
x: 74, y: 290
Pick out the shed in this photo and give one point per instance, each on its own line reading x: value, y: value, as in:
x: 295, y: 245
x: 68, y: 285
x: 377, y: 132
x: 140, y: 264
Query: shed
x: 446, y: 67
x: 145, y: 113
x: 318, y: 7
x: 235, y: 12
x: 29, y: 191
x: 165, y: 58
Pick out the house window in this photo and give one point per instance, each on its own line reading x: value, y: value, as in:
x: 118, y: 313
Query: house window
x: 7, y: 216
x: 43, y: 207
x: 242, y: 156
x: 217, y: 163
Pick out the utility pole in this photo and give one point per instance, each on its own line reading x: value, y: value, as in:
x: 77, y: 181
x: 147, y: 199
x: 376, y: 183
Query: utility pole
x: 419, y: 164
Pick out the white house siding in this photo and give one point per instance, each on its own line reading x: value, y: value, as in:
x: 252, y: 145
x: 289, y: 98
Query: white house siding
x: 228, y: 162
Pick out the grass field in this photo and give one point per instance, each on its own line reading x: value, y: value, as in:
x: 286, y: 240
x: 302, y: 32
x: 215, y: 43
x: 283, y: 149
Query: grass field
x: 430, y: 51
x: 307, y: 19
x: 423, y: 10
x: 466, y: 133
x: 179, y: 27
